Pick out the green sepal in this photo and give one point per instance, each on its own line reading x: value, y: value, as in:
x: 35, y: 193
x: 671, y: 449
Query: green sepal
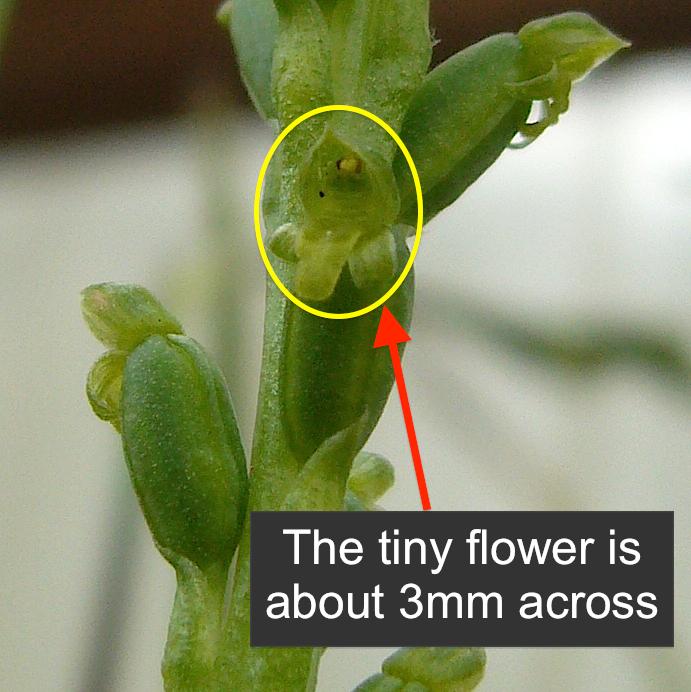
x: 373, y: 260
x: 122, y: 316
x: 183, y: 450
x: 282, y: 242
x: 346, y: 185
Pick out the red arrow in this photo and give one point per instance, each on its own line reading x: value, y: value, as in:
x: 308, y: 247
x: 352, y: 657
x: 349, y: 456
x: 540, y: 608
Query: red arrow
x: 390, y: 333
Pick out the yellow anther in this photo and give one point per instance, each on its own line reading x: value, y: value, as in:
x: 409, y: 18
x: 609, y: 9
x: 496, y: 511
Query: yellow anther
x: 350, y: 164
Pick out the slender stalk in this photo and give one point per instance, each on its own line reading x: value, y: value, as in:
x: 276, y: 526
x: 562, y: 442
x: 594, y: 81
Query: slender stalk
x: 195, y: 629
x: 274, y: 472
x: 6, y: 7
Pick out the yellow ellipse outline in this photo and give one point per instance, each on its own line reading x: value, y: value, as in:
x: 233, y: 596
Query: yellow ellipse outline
x: 257, y: 211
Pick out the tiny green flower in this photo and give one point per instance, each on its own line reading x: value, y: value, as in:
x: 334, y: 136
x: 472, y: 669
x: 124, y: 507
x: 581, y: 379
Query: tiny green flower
x: 370, y: 478
x: 558, y: 51
x: 429, y: 669
x: 339, y: 176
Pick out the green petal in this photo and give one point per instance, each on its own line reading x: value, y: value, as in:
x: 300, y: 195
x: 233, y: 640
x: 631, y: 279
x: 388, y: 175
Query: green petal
x: 121, y: 316
x: 574, y: 41
x: 104, y: 385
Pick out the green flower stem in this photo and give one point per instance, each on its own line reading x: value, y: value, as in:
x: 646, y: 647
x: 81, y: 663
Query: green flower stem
x: 297, y: 464
x: 194, y: 632
x: 169, y: 401
x: 274, y: 472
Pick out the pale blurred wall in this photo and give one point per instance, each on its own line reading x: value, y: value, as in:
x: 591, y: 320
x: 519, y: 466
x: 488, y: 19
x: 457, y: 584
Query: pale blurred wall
x: 592, y: 220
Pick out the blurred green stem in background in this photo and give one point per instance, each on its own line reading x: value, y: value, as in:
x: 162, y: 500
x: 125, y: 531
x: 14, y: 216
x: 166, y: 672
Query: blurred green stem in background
x: 585, y: 346
x: 6, y: 7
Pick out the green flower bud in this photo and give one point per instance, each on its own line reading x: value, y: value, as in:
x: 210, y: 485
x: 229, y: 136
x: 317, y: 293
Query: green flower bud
x: 331, y: 376
x: 429, y: 669
x: 458, y: 123
x: 121, y: 316
x: 574, y: 41
x: 171, y: 405
x: 558, y: 51
x: 184, y: 457
x: 253, y: 26
x: 371, y: 476
x: 183, y: 450
x: 470, y: 108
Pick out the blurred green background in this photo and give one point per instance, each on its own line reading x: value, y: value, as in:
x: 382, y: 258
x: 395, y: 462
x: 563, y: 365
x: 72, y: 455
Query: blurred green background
x: 551, y: 360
